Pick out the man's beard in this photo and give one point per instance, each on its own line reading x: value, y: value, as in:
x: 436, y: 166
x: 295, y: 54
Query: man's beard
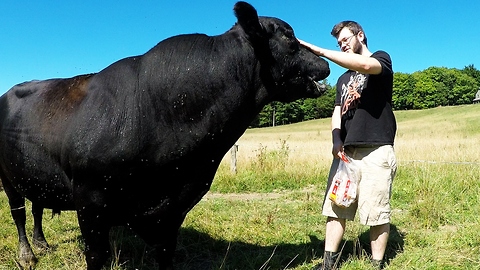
x: 357, y: 47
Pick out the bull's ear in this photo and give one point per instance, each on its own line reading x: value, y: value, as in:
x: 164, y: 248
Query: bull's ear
x: 248, y: 19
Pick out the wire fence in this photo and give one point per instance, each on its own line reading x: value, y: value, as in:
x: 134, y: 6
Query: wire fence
x: 440, y: 162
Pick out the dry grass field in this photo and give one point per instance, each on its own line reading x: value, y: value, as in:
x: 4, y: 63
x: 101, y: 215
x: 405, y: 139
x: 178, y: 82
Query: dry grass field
x: 422, y: 136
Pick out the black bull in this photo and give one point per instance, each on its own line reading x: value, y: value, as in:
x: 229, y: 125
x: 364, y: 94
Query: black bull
x: 138, y: 143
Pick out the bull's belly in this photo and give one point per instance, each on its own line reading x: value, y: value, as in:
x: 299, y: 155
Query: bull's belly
x: 49, y: 194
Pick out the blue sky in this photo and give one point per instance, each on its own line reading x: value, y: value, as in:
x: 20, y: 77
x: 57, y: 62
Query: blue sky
x: 56, y: 39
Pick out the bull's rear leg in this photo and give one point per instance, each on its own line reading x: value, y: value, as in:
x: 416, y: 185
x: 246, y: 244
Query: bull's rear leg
x: 38, y: 240
x: 26, y: 258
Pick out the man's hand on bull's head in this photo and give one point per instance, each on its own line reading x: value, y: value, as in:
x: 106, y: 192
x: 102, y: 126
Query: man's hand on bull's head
x: 317, y: 51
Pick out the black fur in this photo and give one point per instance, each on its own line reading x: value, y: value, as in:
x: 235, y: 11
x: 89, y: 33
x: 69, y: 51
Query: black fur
x: 139, y: 142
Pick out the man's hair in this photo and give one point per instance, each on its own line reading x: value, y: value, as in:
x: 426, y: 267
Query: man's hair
x: 353, y: 26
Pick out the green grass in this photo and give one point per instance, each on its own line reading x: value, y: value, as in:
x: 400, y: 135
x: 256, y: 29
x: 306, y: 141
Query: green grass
x: 267, y: 214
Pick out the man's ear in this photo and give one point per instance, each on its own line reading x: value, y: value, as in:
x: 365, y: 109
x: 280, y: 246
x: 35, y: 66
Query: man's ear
x: 361, y: 37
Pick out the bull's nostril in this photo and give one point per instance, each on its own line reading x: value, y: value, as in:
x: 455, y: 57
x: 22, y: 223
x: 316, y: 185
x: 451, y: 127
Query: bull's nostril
x: 322, y: 88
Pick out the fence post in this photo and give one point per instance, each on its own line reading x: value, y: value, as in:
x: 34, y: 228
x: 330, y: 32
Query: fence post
x: 233, y: 154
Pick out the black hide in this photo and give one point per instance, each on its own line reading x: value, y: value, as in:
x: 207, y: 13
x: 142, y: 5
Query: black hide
x: 138, y: 143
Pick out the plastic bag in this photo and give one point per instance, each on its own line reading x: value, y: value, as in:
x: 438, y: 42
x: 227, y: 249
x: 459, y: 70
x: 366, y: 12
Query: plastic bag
x: 343, y: 190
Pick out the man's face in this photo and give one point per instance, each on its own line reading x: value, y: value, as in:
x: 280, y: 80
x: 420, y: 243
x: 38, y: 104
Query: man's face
x: 348, y: 42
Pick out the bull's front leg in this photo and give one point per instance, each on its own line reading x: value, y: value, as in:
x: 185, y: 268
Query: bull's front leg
x: 163, y: 239
x: 95, y: 232
x: 95, y: 224
x: 160, y: 230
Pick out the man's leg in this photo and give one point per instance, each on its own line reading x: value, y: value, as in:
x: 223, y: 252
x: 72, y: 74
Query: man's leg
x: 335, y: 227
x: 378, y: 240
x: 333, y: 237
x: 375, y: 208
x: 334, y: 233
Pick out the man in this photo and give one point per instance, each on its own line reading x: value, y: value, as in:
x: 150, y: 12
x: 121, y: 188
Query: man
x: 364, y: 127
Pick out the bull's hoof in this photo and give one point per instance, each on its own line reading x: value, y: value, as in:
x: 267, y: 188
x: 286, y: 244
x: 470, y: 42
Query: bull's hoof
x: 24, y: 267
x: 23, y: 264
x: 26, y: 258
x: 41, y: 245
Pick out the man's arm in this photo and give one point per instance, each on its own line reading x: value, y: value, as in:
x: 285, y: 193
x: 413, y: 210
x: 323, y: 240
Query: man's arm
x: 337, y: 147
x: 361, y: 63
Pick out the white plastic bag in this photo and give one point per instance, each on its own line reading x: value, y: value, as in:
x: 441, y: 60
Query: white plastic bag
x: 343, y: 190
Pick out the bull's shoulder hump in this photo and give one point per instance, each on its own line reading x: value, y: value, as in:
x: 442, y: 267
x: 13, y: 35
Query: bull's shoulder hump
x: 25, y: 89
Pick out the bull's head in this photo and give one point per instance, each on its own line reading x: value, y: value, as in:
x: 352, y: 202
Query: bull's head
x: 289, y: 71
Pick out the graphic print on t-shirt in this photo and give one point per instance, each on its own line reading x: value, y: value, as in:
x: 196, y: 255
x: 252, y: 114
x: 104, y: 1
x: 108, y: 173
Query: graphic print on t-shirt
x: 352, y: 91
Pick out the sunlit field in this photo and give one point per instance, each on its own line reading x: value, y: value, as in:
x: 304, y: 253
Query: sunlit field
x: 266, y: 213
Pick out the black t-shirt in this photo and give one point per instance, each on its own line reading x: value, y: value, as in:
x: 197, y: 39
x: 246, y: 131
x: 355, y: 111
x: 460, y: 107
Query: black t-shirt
x: 366, y: 105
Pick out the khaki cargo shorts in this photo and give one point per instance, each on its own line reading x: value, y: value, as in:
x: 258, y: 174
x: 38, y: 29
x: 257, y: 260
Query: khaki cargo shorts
x: 378, y: 166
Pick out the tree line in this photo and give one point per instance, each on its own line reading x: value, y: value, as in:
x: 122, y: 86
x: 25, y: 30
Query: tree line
x: 429, y: 88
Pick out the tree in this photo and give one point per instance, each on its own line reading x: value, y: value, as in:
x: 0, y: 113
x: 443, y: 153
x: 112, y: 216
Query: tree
x: 471, y: 71
x: 324, y: 105
x: 403, y: 91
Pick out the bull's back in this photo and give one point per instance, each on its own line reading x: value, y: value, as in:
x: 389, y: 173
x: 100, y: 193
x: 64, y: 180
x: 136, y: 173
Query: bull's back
x: 40, y: 110
x: 33, y: 119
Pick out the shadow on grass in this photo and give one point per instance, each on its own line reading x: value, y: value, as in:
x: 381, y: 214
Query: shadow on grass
x: 197, y: 250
